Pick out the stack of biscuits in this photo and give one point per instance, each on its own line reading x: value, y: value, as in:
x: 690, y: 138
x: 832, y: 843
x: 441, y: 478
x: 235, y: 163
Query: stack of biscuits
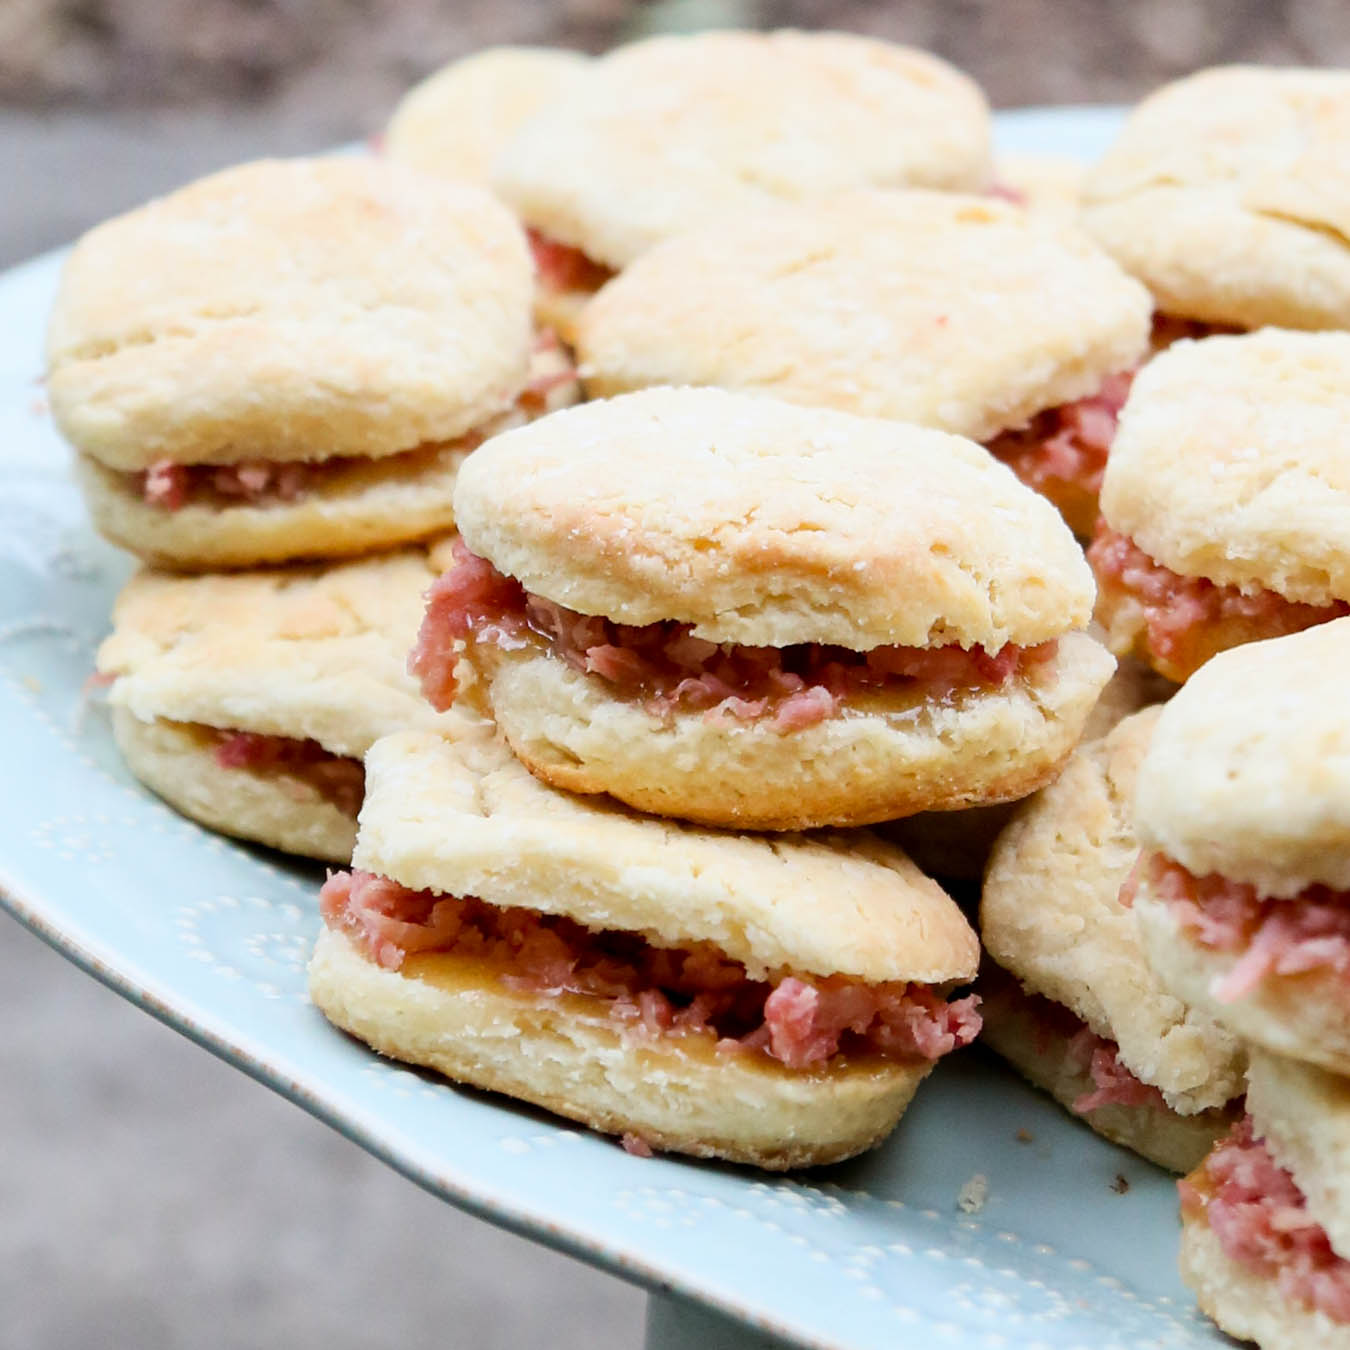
x: 902, y: 491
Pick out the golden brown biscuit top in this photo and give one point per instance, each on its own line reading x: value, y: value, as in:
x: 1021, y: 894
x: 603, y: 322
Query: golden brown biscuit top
x: 952, y: 311
x: 455, y: 122
x: 1248, y: 775
x: 1274, y: 139
x: 291, y: 309
x: 308, y: 652
x: 673, y: 131
x: 460, y: 815
x: 760, y: 522
x: 1231, y: 462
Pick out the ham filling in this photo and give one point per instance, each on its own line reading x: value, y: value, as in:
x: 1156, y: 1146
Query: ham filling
x: 336, y: 778
x: 1184, y: 621
x: 670, y: 670
x: 649, y: 990
x: 1061, y: 453
x: 563, y: 268
x: 170, y: 486
x: 1260, y: 1217
x: 1307, y: 934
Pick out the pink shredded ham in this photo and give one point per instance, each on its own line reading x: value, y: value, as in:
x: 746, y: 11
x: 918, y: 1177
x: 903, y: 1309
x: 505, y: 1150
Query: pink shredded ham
x: 1067, y: 445
x: 1186, y: 620
x: 1309, y: 932
x: 1114, y: 1084
x: 563, y: 268
x: 653, y: 990
x: 340, y: 780
x: 671, y: 670
x: 1260, y: 1217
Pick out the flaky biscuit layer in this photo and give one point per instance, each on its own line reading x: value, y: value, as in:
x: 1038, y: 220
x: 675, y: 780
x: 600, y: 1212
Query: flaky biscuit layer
x: 1226, y: 194
x: 1248, y: 1306
x: 1304, y: 1114
x: 1249, y: 773
x: 568, y: 1056
x: 880, y: 757
x: 760, y: 522
x: 276, y: 808
x: 671, y: 132
x: 1051, y: 915
x: 462, y: 816
x: 291, y: 310
x: 1303, y: 1017
x: 1042, y: 1057
x: 1230, y: 463
x: 314, y: 653
x: 456, y: 121
x: 956, y: 312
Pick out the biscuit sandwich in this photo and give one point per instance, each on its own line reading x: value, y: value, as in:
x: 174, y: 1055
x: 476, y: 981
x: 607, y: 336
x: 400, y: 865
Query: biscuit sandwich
x: 291, y: 359
x: 1243, y: 816
x: 672, y: 132
x: 774, y: 1002
x: 1226, y: 195
x: 1265, y: 1219
x: 744, y: 613
x: 957, y: 312
x: 1070, y: 1000
x: 247, y: 700
x: 454, y: 123
x: 1226, y: 501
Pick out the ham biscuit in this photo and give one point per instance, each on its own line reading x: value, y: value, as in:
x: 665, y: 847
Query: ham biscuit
x: 671, y: 132
x: 962, y: 313
x: 744, y: 613
x: 1226, y: 501
x: 1243, y: 814
x: 247, y: 701
x: 290, y: 359
x: 1265, y: 1222
x: 774, y: 1002
x: 1227, y: 195
x: 1071, y: 1002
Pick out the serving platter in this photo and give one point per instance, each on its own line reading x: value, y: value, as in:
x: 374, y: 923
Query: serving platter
x: 990, y: 1219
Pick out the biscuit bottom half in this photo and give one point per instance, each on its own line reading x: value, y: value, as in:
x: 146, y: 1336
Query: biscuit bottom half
x: 1273, y: 971
x: 1176, y: 623
x: 289, y: 795
x: 566, y: 280
x: 1050, y: 1046
x: 356, y: 506
x: 565, y: 1053
x: 881, y: 755
x: 1260, y: 1265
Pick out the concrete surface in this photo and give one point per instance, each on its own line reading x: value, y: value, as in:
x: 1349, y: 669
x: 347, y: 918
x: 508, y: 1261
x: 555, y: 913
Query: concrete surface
x: 150, y: 1196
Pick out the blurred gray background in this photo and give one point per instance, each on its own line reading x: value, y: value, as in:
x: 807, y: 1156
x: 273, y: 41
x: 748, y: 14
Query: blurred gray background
x: 149, y: 1196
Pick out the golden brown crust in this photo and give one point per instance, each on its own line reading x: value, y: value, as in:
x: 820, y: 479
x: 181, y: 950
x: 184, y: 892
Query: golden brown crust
x: 882, y: 756
x: 314, y: 653
x: 455, y: 122
x: 674, y: 131
x: 291, y: 310
x: 568, y: 1057
x: 1249, y: 774
x: 279, y: 809
x: 1041, y: 1055
x: 1225, y: 193
x: 760, y: 522
x: 1230, y: 463
x: 460, y: 815
x: 950, y: 311
x: 1051, y: 914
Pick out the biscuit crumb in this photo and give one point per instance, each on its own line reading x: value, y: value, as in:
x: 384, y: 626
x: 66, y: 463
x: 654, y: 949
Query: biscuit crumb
x: 1120, y: 1185
x: 1024, y: 1136
x: 971, y: 1197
